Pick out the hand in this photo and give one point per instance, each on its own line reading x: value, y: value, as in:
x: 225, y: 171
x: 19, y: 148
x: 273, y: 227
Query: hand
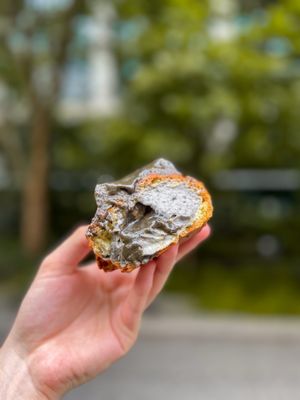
x: 74, y: 322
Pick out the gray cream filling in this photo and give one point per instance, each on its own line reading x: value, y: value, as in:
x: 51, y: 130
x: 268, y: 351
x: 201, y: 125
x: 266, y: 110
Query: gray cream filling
x: 145, y: 220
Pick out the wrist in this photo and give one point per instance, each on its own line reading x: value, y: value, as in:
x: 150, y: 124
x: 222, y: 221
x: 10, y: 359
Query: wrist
x: 16, y: 382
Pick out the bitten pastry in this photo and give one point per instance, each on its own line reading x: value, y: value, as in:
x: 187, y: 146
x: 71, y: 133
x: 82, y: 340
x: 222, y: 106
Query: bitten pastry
x: 141, y: 215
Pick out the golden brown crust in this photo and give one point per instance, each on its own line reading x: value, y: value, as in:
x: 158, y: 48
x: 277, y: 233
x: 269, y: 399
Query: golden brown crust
x: 204, y: 214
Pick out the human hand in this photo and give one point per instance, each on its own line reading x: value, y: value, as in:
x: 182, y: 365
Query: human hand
x: 74, y: 322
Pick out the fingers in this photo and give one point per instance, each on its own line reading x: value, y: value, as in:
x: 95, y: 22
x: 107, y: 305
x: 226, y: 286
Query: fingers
x: 164, y: 266
x: 152, y: 277
x: 193, y: 242
x: 136, y: 301
x: 69, y: 253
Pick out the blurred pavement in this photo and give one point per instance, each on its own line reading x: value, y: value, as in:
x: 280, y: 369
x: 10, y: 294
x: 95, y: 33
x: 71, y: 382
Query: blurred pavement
x: 191, y: 356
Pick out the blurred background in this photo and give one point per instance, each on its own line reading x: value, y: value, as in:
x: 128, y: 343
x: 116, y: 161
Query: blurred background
x: 89, y: 91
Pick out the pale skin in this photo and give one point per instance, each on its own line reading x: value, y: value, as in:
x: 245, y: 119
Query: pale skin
x: 75, y: 322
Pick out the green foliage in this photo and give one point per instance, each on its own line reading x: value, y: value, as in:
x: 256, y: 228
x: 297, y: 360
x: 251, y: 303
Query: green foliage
x: 207, y: 103
x: 179, y: 82
x: 183, y: 80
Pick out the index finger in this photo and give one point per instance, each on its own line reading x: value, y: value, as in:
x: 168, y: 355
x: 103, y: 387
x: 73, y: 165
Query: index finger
x: 71, y: 251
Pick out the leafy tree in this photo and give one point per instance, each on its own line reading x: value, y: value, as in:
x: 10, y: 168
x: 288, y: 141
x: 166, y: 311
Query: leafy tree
x: 37, y: 41
x: 207, y: 101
